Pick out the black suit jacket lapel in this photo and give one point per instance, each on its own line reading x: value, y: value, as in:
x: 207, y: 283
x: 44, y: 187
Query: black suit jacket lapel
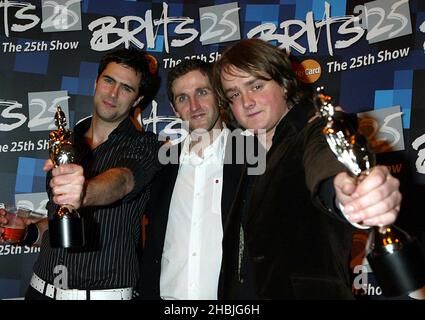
x: 231, y: 178
x: 232, y: 174
x: 159, y: 204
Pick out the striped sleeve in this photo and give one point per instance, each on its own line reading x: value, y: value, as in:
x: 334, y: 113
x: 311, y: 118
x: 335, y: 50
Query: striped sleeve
x: 142, y: 159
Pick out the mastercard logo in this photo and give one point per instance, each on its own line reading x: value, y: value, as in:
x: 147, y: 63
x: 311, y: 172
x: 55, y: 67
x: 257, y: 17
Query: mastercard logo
x: 308, y: 71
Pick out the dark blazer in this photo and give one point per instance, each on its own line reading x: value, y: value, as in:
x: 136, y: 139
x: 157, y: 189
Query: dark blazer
x: 158, y: 209
x: 296, y: 248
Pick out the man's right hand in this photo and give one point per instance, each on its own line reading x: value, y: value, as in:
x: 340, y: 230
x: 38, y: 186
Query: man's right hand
x: 67, y: 183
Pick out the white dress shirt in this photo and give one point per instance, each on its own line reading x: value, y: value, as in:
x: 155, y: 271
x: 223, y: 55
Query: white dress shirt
x: 191, y: 259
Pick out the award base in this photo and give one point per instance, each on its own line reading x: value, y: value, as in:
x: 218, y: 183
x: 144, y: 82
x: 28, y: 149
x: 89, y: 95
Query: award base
x: 401, y: 271
x: 66, y: 232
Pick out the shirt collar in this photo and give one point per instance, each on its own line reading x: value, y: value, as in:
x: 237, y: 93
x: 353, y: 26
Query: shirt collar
x: 214, y: 150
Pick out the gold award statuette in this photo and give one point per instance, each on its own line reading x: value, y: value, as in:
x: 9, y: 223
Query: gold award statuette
x: 395, y: 257
x: 66, y: 227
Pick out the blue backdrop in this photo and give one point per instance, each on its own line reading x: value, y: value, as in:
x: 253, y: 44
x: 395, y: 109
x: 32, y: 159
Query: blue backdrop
x: 369, y: 55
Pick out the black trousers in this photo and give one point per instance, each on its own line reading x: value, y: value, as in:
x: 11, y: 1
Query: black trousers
x: 33, y: 294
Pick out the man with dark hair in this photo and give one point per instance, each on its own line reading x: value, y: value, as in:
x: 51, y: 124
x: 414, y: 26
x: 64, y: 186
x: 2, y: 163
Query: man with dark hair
x: 182, y: 256
x: 118, y: 162
x: 285, y: 237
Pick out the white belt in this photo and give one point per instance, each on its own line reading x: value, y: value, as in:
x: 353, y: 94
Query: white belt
x: 74, y: 294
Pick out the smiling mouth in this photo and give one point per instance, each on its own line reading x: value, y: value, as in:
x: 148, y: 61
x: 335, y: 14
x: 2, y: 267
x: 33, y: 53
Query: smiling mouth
x: 197, y: 116
x: 109, y: 104
x: 251, y: 115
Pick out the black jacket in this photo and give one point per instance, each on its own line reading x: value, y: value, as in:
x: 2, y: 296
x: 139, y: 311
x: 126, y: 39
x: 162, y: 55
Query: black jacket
x: 296, y: 248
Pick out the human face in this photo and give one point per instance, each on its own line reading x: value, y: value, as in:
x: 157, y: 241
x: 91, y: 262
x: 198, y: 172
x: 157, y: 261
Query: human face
x: 116, y: 92
x: 194, y: 101
x: 256, y: 103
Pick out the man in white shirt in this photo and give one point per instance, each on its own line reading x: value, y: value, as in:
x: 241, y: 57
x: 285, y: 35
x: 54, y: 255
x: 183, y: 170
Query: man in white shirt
x: 182, y: 256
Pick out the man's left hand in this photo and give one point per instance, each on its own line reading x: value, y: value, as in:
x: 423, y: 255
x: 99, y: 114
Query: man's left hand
x: 373, y: 200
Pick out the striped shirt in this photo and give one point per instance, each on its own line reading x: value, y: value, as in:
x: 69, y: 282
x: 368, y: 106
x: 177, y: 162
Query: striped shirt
x: 109, y: 258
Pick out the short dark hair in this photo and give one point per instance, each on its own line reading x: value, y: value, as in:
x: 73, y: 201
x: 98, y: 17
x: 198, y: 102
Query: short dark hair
x: 262, y: 60
x: 133, y: 58
x: 184, y: 67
